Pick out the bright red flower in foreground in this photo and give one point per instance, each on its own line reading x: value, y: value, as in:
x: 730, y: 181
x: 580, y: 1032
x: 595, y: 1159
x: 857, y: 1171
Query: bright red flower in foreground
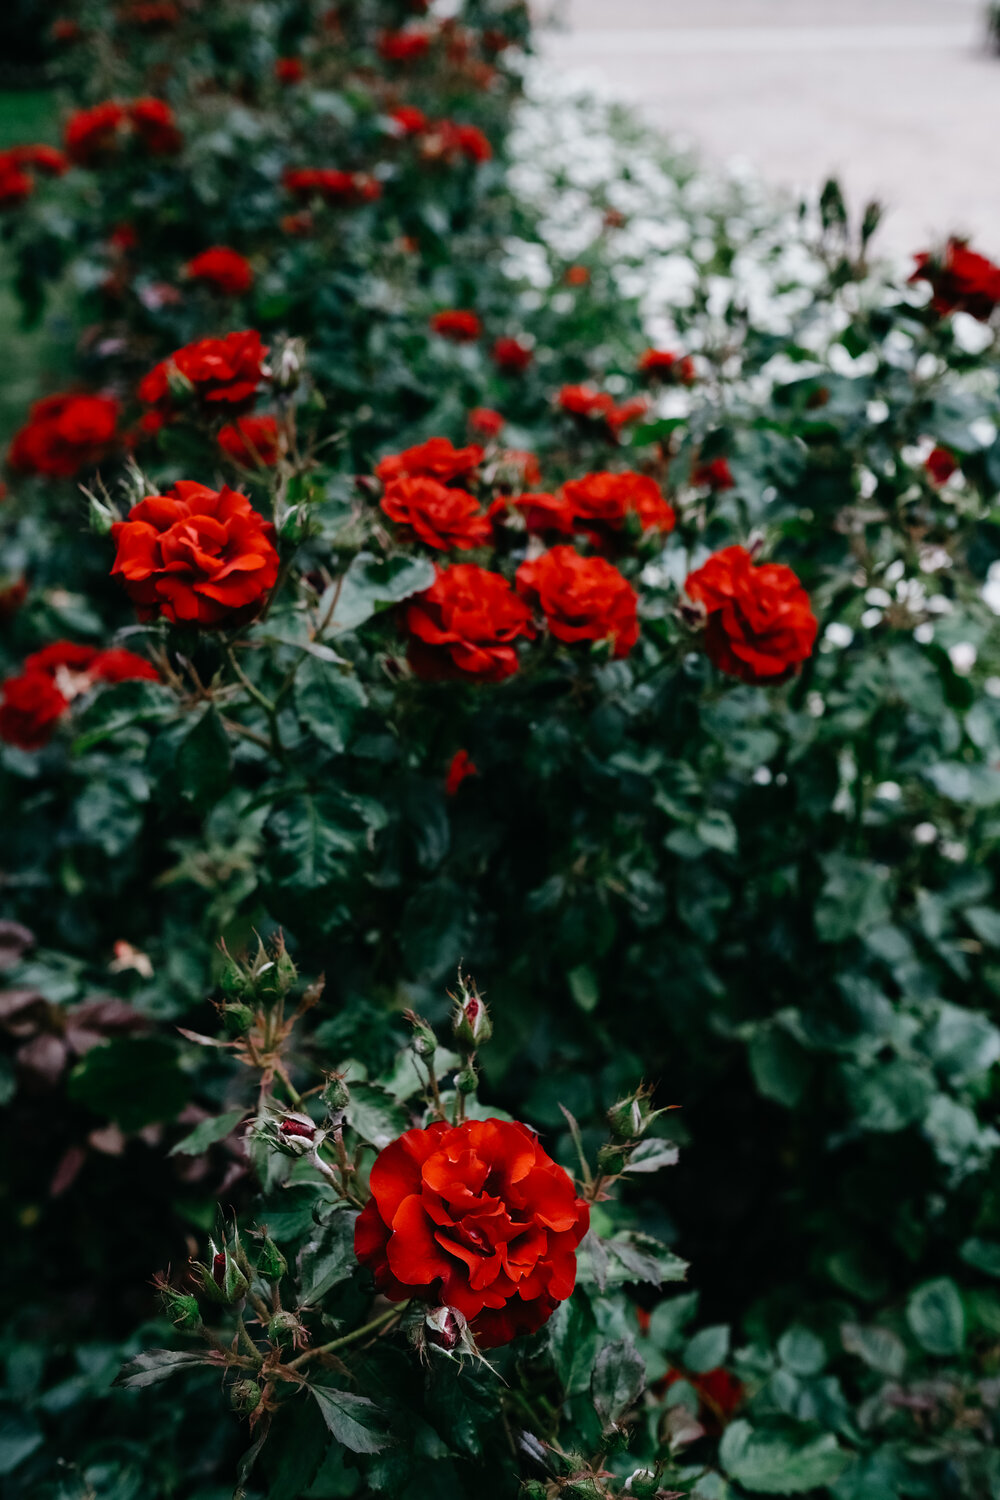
x: 225, y: 270
x: 443, y: 518
x: 465, y: 624
x: 462, y: 766
x: 511, y: 355
x: 604, y: 501
x: 760, y: 626
x: 475, y: 1217
x: 663, y: 364
x: 961, y: 280
x: 49, y: 680
x: 64, y: 434
x: 438, y: 458
x: 941, y: 464
x: 457, y: 324
x: 227, y: 370
x: 582, y: 598
x: 252, y: 441
x: 195, y: 555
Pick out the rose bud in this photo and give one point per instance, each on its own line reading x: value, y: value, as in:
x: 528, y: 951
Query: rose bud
x: 297, y: 1135
x: 275, y: 979
x: 286, y: 1331
x: 466, y: 1080
x: 445, y: 1327
x: 336, y: 1095
x: 632, y: 1116
x: 471, y: 1022
x: 180, y: 1307
x: 288, y: 365
x: 224, y: 1282
x: 423, y: 1041
x: 237, y: 1019
x: 611, y: 1160
x: 245, y: 1396
x: 643, y: 1484
x: 101, y: 516
x: 271, y: 1264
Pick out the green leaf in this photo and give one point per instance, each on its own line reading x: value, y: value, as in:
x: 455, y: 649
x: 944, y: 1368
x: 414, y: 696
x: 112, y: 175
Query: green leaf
x: 617, y: 1381
x: 936, y: 1317
x: 207, y: 1133
x: 372, y: 584
x: 985, y: 923
x: 20, y: 1436
x: 801, y: 1351
x: 154, y: 1365
x: 632, y: 1256
x: 353, y: 1420
x: 984, y: 1255
x: 584, y: 987
x: 780, y: 1066
x: 652, y: 1155
x: 118, y: 707
x: 707, y: 1349
x: 328, y: 1258
x: 375, y: 1114
x: 328, y: 702
x: 313, y: 838
x: 854, y: 899
x: 780, y: 1461
x: 204, y: 760
x: 880, y: 1348
x: 971, y: 786
x: 573, y: 1339
x: 134, y: 1081
x: 434, y: 929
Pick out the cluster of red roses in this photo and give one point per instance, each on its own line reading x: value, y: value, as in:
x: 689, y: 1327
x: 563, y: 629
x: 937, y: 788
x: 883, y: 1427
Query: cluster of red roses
x: 34, y: 700
x: 17, y: 165
x: 331, y: 185
x: 218, y: 373
x: 441, y: 140
x: 592, y: 405
x: 66, y: 433
x: 961, y: 280
x: 93, y: 135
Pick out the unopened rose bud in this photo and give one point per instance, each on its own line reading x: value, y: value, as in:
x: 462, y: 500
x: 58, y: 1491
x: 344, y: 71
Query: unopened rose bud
x: 237, y: 1019
x: 180, y: 1307
x: 285, y: 1330
x: 181, y: 389
x: 287, y: 369
x: 466, y: 1080
x: 643, y: 1484
x: 445, y: 1327
x: 222, y: 1279
x: 271, y: 1264
x: 275, y: 976
x: 336, y: 1095
x: 611, y: 1160
x: 100, y: 515
x: 615, y: 1440
x: 298, y: 1134
x: 235, y: 981
x: 244, y: 1396
x: 631, y: 1116
x: 471, y: 1021
x: 423, y: 1041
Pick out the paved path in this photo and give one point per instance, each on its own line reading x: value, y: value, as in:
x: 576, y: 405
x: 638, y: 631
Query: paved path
x: 899, y: 98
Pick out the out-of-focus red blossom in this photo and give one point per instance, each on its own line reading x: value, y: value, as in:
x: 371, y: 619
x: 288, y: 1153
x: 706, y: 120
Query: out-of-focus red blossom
x: 225, y: 270
x: 289, y: 69
x: 154, y: 123
x: 48, y: 160
x: 544, y: 513
x: 604, y: 501
x: 151, y: 14
x: 124, y: 237
x: 512, y: 355
x: 720, y: 1394
x: 613, y: 218
x: 628, y: 412
x: 577, y: 276
x: 716, y: 474
x: 464, y: 626
x: 411, y: 121
x: 759, y: 622
x: 50, y: 679
x: 15, y: 184
x: 585, y: 401
x: 457, y: 324
x: 495, y: 40
x: 195, y: 555
x: 297, y: 225
x: 332, y: 185
x: 582, y: 598
x: 252, y: 441
x: 664, y: 364
x: 438, y: 458
x: 403, y: 46
x: 16, y: 181
x: 443, y: 518
x: 462, y: 766
x: 960, y: 279
x: 524, y: 465
x: 65, y: 434
x: 92, y: 133
x: 445, y: 140
x: 226, y: 370
x: 475, y: 1217
x: 12, y: 596
x: 65, y: 30
x: 486, y: 423
x: 941, y: 464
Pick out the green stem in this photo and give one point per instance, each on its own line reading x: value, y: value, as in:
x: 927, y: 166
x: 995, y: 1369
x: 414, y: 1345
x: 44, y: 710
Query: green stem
x: 350, y: 1338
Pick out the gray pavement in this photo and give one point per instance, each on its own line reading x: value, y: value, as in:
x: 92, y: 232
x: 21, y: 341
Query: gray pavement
x: 899, y: 98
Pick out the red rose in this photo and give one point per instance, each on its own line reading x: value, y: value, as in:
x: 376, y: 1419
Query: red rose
x: 155, y: 125
x: 64, y: 434
x: 65, y: 30
x: 220, y: 370
x: 544, y: 513
x: 152, y: 14
x: 457, y: 324
x: 438, y: 458
x: 49, y: 681
x: 586, y: 401
x: 289, y: 69
x: 941, y: 464
x: 464, y: 624
x: 91, y: 133
x: 476, y: 1217
x: 12, y: 596
x: 716, y: 474
x: 760, y: 626
x: 225, y: 270
x: 331, y: 184
x: 961, y: 280
x: 510, y: 354
x: 630, y: 411
x: 30, y: 707
x: 411, y: 121
x: 15, y: 184
x: 461, y: 767
x: 252, y: 441
x: 472, y: 143
x: 486, y: 423
x: 403, y: 46
x: 605, y: 500
x: 45, y: 159
x: 443, y: 518
x: 582, y: 598
x: 662, y: 364
x: 119, y: 665
x: 196, y: 555
x: 577, y: 276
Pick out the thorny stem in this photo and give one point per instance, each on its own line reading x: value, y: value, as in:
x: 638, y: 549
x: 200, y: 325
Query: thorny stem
x: 246, y: 1341
x: 261, y: 698
x: 391, y: 1314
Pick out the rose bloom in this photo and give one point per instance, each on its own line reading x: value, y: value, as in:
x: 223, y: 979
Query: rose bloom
x: 12, y: 596
x: 48, y: 160
x: 64, y: 434
x: 92, y: 133
x: 485, y: 422
x: 463, y: 626
x: 941, y: 464
x: 582, y: 598
x: 409, y: 119
x: 65, y: 30
x: 663, y: 364
x: 225, y: 370
x: 152, y: 14
x: 196, y: 555
x: 49, y: 680
x: 759, y: 623
x: 446, y: 141
x: 403, y: 46
x: 511, y: 355
x: 577, y: 276
x: 252, y: 441
x: 154, y: 123
x: 225, y: 270
x: 331, y: 184
x: 628, y: 412
x: 462, y: 766
x: 461, y: 326
x: 443, y: 518
x: 289, y: 69
x: 438, y: 458
x: 15, y: 184
x: 716, y: 474
x: 961, y: 280
x: 475, y: 1217
x: 586, y: 401
x: 544, y: 513
x: 605, y: 500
